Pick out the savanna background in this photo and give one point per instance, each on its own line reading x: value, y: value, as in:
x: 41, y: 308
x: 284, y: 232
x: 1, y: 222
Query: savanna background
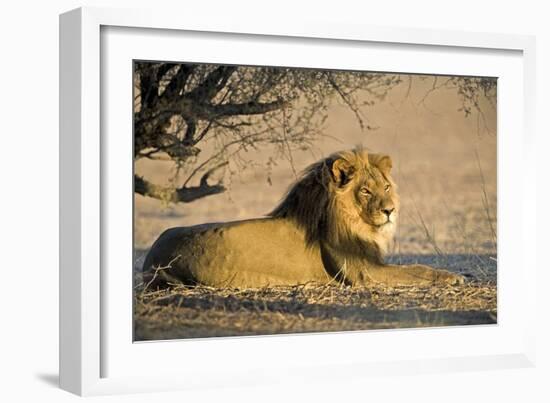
x: 223, y: 143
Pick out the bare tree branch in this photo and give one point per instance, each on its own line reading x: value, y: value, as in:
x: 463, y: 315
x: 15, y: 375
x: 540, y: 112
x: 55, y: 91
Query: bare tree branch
x: 248, y: 108
x: 178, y: 81
x: 183, y: 194
x: 213, y: 84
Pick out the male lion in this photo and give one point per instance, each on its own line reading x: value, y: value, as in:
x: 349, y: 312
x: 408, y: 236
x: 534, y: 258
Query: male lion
x: 334, y: 225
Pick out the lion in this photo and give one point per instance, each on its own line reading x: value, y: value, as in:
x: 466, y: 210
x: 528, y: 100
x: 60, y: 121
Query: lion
x: 334, y: 225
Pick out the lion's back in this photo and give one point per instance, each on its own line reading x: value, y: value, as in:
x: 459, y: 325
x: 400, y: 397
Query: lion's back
x: 251, y: 253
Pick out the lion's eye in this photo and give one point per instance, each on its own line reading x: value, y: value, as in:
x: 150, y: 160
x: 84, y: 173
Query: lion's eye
x: 387, y: 188
x: 365, y: 191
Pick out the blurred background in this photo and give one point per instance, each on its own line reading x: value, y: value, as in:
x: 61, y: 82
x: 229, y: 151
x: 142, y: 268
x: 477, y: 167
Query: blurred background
x: 440, y: 132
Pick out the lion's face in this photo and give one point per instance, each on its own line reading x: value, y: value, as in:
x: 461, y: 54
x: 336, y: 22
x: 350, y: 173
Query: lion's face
x: 374, y: 197
x: 367, y: 194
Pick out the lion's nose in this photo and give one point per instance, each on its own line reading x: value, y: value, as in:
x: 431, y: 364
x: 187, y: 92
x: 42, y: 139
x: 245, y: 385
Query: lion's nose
x: 388, y: 211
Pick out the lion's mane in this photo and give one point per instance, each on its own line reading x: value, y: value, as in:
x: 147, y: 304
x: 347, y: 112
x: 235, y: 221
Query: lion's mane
x: 319, y: 208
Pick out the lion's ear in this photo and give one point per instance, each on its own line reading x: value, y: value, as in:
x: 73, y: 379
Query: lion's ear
x: 382, y: 161
x: 342, y: 171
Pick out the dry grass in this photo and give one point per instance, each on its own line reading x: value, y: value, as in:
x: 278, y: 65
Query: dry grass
x: 194, y: 312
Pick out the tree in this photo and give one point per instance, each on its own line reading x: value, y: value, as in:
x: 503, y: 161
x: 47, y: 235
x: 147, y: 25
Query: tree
x: 178, y: 107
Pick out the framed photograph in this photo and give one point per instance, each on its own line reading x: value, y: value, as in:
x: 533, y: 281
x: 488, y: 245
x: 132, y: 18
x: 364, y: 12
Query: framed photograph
x: 237, y: 198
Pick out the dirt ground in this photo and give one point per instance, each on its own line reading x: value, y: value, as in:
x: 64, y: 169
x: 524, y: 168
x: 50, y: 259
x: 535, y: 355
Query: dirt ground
x: 446, y: 168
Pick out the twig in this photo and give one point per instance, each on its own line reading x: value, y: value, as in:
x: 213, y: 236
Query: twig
x: 156, y: 271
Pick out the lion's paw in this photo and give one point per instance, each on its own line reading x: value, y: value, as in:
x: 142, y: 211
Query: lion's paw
x: 450, y: 278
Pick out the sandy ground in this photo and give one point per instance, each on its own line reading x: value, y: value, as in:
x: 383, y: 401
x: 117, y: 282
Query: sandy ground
x: 444, y: 165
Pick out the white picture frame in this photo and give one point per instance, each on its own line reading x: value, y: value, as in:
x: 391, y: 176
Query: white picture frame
x: 89, y: 315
